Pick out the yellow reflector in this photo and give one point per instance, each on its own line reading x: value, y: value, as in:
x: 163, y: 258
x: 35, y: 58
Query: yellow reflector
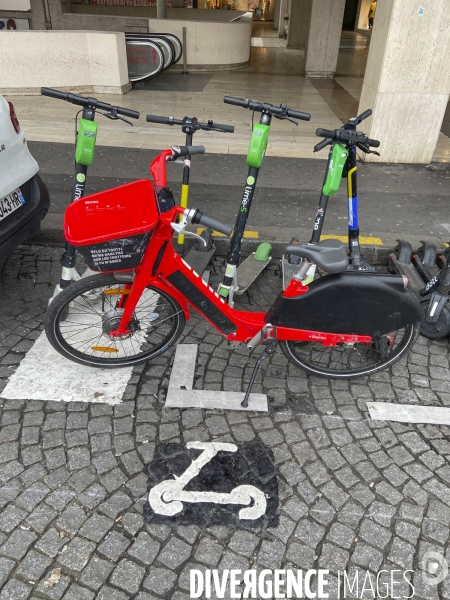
x: 103, y: 349
x: 116, y: 292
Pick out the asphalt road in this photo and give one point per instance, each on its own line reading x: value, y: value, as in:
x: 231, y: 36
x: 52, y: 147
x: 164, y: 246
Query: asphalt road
x: 410, y: 201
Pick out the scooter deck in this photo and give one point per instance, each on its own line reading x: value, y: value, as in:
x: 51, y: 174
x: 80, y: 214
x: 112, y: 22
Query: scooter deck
x: 409, y: 271
x: 197, y: 260
x: 248, y: 271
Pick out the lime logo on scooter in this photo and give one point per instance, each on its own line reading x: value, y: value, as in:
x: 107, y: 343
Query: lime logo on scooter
x: 250, y: 180
x: 246, y: 197
x: 78, y: 192
x: 319, y: 217
x: 79, y: 185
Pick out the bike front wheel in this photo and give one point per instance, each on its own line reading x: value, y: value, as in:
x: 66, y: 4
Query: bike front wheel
x: 351, y: 360
x: 94, y: 307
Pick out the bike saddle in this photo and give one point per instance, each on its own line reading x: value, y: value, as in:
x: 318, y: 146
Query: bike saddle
x: 329, y: 255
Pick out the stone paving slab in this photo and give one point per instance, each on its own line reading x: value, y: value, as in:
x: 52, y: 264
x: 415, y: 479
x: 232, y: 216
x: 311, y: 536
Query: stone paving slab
x: 345, y: 492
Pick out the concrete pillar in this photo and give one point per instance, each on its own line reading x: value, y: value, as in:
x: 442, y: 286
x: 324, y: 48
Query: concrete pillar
x: 299, y: 21
x: 37, y: 14
x: 284, y: 9
x: 407, y: 79
x: 54, y: 9
x: 276, y: 14
x: 324, y: 37
x: 161, y: 9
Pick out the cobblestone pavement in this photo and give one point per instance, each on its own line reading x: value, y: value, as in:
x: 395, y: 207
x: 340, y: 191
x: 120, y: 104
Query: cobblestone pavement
x: 349, y: 494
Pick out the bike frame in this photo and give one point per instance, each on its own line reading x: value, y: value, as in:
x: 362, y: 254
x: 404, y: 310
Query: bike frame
x: 163, y: 268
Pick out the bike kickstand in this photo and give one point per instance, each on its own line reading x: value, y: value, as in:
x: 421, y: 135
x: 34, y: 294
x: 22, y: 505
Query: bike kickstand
x: 268, y: 351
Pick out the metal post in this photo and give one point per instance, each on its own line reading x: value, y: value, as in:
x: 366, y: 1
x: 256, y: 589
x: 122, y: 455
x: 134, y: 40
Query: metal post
x: 184, y: 50
x: 161, y: 9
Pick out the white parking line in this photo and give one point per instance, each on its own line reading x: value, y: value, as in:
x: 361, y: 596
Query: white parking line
x: 46, y: 375
x: 409, y: 413
x: 181, y: 395
x: 183, y: 370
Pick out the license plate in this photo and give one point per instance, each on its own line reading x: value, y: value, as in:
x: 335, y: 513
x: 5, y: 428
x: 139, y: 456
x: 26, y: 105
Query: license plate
x: 10, y: 203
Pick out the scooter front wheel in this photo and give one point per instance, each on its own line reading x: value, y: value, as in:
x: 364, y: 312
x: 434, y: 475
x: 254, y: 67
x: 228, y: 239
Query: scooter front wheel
x: 95, y: 306
x: 351, y: 360
x: 438, y: 330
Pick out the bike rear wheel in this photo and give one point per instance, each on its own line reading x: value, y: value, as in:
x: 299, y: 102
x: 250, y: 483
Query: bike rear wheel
x: 351, y: 360
x: 95, y: 305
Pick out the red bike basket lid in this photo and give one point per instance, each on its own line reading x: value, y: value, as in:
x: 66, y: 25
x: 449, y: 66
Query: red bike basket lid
x: 124, y: 211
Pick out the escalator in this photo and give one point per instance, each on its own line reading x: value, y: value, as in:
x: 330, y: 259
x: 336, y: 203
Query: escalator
x: 149, y: 54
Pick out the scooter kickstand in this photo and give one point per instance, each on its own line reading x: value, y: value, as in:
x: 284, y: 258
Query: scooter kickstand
x: 268, y: 351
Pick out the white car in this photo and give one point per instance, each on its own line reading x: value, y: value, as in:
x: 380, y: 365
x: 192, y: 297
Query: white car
x: 24, y: 199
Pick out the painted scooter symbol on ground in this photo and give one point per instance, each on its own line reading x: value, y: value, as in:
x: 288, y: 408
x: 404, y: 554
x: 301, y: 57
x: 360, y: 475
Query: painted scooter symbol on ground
x: 167, y: 497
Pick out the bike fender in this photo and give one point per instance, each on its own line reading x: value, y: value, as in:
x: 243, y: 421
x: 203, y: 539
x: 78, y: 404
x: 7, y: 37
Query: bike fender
x: 349, y: 303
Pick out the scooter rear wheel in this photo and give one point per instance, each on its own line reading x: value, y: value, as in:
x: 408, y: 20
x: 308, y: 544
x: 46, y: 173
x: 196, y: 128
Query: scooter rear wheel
x: 345, y: 361
x: 95, y: 307
x: 438, y: 330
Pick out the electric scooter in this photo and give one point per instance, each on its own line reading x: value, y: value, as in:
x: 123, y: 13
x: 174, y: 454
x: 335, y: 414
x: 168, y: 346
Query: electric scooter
x: 434, y: 301
x: 401, y: 262
x: 429, y: 276
x: 85, y: 139
x: 341, y: 163
x: 425, y: 261
x: 420, y: 266
x: 199, y: 256
x: 238, y: 279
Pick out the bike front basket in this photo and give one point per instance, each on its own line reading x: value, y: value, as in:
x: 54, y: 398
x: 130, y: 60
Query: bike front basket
x: 112, y: 229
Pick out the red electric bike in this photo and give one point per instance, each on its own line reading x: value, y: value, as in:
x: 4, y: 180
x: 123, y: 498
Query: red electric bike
x: 345, y: 324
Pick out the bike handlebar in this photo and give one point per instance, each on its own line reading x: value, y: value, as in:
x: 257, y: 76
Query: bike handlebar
x: 162, y: 120
x: 344, y: 135
x: 327, y: 133
x: 260, y: 106
x: 209, y: 126
x: 91, y: 102
x: 363, y: 115
x: 202, y: 219
x: 236, y: 101
x: 321, y: 145
x: 189, y: 150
